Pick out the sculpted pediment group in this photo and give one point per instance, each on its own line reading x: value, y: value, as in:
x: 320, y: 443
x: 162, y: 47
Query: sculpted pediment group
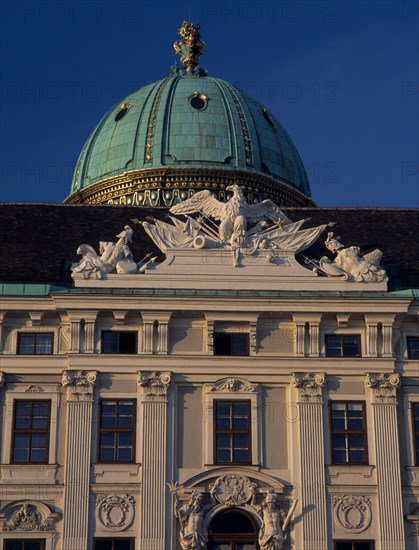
x: 248, y: 234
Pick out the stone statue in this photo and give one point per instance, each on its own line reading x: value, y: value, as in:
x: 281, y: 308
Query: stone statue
x: 192, y: 535
x: 350, y: 264
x: 272, y: 534
x: 227, y: 212
x: 113, y: 257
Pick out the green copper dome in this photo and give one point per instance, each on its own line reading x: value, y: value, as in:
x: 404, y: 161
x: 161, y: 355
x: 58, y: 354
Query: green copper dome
x: 184, y: 132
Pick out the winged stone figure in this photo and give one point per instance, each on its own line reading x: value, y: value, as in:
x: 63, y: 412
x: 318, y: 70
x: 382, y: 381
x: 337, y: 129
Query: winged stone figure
x: 204, y: 203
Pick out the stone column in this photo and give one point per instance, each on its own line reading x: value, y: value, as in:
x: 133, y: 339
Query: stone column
x: 152, y: 526
x: 390, y: 507
x: 313, y: 485
x: 80, y: 385
x: 314, y: 334
x: 2, y: 378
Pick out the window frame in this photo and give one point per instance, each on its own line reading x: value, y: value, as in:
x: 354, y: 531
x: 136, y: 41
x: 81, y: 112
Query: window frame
x: 415, y: 432
x: 119, y: 332
x: 342, y: 336
x: 233, y: 431
x: 31, y: 431
x: 231, y: 334
x: 131, y: 540
x: 132, y: 430
x: 24, y: 541
x: 346, y: 433
x: 352, y: 541
x: 409, y: 353
x: 35, y: 336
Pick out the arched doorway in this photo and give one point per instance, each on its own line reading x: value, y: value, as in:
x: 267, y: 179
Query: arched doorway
x: 233, y: 529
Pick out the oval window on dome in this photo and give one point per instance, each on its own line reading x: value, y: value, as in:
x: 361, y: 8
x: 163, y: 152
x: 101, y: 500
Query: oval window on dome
x: 198, y: 101
x: 268, y: 117
x: 122, y: 111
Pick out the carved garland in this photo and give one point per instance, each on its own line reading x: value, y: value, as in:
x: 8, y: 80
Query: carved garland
x: 115, y: 512
x: 352, y: 513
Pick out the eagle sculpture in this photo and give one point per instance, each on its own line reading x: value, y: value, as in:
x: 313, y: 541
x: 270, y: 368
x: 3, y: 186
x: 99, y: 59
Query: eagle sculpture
x: 227, y: 212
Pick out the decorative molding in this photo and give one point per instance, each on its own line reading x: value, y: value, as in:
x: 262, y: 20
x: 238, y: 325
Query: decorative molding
x: 233, y: 489
x: 80, y: 384
x: 337, y: 471
x: 384, y: 386
x: 309, y: 384
x: 28, y: 516
x: 233, y: 385
x: 352, y: 513
x: 155, y: 383
x: 115, y: 512
x: 35, y: 389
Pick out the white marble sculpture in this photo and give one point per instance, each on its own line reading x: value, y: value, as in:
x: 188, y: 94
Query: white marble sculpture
x: 192, y: 534
x: 272, y: 534
x: 350, y: 264
x: 271, y: 233
x: 113, y: 257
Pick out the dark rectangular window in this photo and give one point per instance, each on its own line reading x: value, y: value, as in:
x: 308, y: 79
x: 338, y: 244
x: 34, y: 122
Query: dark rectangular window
x: 343, y: 345
x: 353, y: 545
x: 35, y: 343
x: 117, y: 430
x: 114, y: 544
x: 24, y: 544
x: 231, y: 343
x: 413, y: 347
x: 114, y: 341
x: 348, y: 432
x: 31, y: 432
x: 415, y: 414
x: 232, y: 432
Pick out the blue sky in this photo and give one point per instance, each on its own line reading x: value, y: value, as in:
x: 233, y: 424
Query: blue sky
x: 341, y: 76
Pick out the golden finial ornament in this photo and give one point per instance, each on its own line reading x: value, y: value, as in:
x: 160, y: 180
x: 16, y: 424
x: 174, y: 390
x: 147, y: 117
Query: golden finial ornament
x: 190, y: 47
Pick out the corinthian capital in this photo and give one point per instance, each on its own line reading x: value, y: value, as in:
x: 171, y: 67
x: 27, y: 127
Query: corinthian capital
x: 384, y: 386
x: 155, y: 383
x: 309, y: 384
x: 79, y: 384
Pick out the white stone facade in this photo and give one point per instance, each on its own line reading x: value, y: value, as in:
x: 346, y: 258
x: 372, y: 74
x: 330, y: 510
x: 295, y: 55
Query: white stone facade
x: 175, y: 380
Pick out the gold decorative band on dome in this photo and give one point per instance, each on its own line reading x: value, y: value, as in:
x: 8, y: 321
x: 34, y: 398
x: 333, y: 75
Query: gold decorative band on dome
x: 166, y: 187
x: 243, y: 124
x: 151, y: 126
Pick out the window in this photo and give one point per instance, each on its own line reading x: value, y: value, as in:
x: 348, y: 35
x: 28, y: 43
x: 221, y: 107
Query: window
x: 30, y: 432
x: 231, y: 343
x: 35, y: 343
x: 348, y: 432
x: 24, y: 544
x: 413, y: 347
x: 114, y: 544
x: 114, y: 341
x: 116, y: 430
x: 232, y: 432
x: 353, y: 545
x: 415, y: 414
x: 343, y: 345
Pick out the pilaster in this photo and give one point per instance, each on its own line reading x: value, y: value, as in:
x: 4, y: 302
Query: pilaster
x: 300, y: 332
x: 155, y: 387
x: 2, y: 316
x: 80, y: 386
x: 314, y: 334
x: 384, y: 403
x: 313, y: 486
